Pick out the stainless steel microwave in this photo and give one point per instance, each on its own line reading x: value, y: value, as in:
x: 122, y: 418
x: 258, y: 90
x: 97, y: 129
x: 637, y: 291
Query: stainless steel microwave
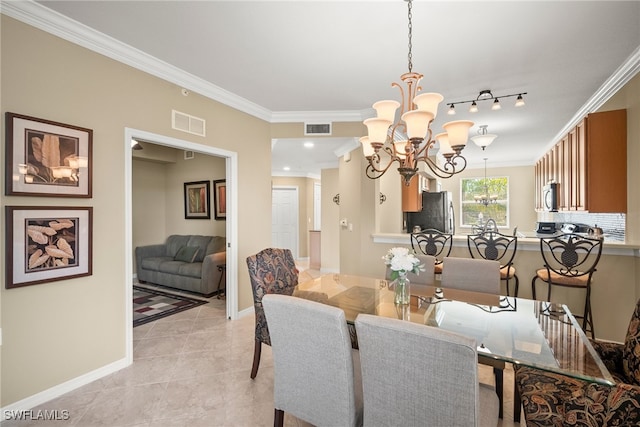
x: 550, y: 197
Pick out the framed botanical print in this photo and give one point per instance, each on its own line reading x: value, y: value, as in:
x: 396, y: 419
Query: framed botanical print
x: 197, y: 203
x: 45, y: 158
x: 46, y: 244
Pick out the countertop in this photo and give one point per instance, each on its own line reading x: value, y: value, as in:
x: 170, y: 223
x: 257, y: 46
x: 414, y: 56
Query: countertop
x: 531, y: 241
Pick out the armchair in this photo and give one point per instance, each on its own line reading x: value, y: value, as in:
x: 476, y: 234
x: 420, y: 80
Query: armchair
x: 551, y: 399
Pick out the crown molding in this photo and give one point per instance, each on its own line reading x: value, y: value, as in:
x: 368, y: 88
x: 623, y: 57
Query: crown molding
x: 52, y: 22
x: 625, y: 72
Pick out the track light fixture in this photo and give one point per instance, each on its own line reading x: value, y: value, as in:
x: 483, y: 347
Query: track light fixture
x: 486, y: 95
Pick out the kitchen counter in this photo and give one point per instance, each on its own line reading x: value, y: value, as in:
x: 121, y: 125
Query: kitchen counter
x: 531, y: 242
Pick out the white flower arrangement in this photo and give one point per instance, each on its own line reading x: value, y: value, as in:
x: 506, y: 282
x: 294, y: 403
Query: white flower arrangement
x: 401, y: 261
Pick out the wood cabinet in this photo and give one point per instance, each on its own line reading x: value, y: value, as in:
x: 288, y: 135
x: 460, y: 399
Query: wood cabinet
x: 411, y: 195
x: 589, y: 164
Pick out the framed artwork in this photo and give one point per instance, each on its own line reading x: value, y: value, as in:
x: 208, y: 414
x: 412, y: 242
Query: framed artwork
x: 220, y: 198
x: 45, y: 158
x: 197, y: 204
x: 46, y: 244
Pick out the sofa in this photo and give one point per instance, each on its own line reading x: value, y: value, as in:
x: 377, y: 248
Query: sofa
x: 191, y: 263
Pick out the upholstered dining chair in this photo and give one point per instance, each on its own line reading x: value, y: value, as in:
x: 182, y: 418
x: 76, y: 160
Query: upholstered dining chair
x: 551, y: 399
x: 316, y: 372
x: 493, y: 245
x: 434, y: 243
x: 469, y: 274
x: 570, y: 261
x: 271, y: 271
x: 420, y: 375
x: 426, y: 275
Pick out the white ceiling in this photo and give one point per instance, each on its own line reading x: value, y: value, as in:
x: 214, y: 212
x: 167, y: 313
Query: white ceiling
x: 331, y: 60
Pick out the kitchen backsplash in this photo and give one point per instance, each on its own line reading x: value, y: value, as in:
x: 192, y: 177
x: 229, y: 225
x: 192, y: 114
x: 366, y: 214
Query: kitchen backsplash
x: 613, y: 225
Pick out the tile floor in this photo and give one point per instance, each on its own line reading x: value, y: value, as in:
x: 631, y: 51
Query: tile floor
x: 190, y: 369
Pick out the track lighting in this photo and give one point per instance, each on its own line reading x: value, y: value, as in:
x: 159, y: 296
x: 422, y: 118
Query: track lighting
x: 485, y: 95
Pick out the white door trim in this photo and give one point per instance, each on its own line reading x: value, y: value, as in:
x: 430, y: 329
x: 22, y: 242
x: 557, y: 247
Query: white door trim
x: 231, y: 221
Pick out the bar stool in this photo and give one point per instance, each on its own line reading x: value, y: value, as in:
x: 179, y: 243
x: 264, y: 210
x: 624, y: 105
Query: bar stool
x: 492, y: 245
x: 434, y: 243
x: 570, y: 261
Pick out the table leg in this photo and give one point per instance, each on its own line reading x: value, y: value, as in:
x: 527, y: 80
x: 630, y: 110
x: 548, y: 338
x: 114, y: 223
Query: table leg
x: 499, y: 375
x: 517, y: 403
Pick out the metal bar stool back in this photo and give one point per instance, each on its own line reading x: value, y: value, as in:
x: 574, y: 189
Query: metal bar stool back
x: 570, y: 261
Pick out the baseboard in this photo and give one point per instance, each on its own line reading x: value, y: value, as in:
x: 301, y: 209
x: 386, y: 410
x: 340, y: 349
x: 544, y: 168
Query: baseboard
x: 246, y: 312
x: 60, y: 389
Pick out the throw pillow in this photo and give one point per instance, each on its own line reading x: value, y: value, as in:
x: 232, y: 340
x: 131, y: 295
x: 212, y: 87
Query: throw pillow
x: 187, y: 253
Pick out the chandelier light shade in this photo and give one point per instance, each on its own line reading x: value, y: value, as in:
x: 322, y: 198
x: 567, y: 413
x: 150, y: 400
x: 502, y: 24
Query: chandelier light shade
x: 483, y: 139
x: 408, y: 140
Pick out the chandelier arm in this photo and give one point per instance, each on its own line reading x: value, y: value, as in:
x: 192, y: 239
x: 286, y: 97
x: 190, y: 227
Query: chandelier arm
x: 425, y: 149
x: 375, y: 159
x: 373, y: 172
x: 450, y: 166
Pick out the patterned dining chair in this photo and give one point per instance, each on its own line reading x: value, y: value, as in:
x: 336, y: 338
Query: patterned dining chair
x: 493, y: 245
x: 570, y: 261
x: 551, y: 399
x: 271, y: 271
x: 434, y: 243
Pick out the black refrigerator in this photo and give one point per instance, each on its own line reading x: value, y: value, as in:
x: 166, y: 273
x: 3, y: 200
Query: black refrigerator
x: 437, y: 212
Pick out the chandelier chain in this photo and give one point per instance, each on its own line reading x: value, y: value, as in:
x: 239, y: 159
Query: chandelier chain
x: 410, y: 26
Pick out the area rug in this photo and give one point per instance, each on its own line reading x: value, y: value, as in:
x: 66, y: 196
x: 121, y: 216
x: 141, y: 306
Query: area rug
x: 152, y: 304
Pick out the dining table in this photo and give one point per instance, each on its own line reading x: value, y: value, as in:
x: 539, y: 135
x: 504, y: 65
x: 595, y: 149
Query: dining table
x: 540, y: 334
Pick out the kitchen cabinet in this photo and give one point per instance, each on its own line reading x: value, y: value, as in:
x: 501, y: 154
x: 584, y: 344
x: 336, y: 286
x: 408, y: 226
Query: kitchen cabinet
x: 412, y: 193
x: 589, y: 164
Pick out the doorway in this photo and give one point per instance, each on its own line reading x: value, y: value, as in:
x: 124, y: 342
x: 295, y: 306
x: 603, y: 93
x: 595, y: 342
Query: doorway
x: 284, y: 218
x: 231, y: 227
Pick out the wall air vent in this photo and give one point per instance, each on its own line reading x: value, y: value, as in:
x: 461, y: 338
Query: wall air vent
x: 187, y: 123
x: 317, y: 128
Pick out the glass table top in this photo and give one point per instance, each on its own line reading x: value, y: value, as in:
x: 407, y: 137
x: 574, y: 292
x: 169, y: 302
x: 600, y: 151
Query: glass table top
x: 516, y: 330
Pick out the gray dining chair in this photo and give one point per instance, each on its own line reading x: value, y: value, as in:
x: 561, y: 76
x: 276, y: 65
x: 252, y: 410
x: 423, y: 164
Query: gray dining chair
x: 420, y: 375
x: 470, y: 274
x: 426, y: 275
x: 316, y: 372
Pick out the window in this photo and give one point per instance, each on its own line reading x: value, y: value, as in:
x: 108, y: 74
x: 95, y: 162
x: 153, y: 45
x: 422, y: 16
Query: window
x: 493, y: 189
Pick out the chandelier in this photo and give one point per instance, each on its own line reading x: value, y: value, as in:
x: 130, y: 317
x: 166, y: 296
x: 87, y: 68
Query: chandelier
x: 408, y: 140
x: 486, y: 199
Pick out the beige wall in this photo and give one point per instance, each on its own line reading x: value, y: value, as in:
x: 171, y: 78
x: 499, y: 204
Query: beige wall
x: 56, y: 332
x: 330, y: 236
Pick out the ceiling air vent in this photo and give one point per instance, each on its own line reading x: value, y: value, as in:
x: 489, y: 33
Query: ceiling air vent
x: 187, y: 123
x: 317, y: 128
